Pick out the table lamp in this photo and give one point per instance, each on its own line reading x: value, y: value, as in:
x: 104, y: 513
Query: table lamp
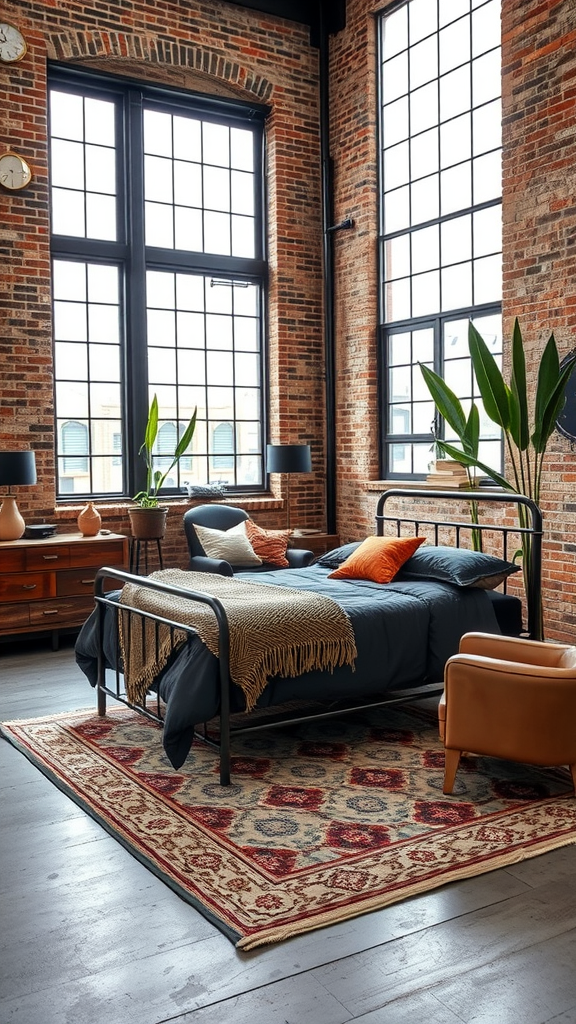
x: 288, y: 458
x: 15, y: 468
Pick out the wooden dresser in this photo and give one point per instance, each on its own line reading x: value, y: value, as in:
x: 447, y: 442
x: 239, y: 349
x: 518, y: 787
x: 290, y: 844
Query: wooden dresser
x: 47, y: 585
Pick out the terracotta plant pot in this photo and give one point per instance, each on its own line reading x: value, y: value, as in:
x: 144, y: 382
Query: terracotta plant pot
x: 148, y: 523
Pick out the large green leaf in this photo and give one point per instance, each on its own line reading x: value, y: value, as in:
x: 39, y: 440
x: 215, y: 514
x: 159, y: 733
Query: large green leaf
x: 445, y: 400
x: 186, y: 437
x: 519, y: 426
x: 493, y: 389
x: 471, y: 436
x: 548, y: 412
x: 152, y: 425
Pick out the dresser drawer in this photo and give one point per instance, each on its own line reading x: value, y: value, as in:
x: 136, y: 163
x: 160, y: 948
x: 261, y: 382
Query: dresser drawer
x: 54, y: 557
x: 109, y: 552
x: 13, y: 560
x: 14, y: 616
x: 28, y: 586
x: 61, y: 612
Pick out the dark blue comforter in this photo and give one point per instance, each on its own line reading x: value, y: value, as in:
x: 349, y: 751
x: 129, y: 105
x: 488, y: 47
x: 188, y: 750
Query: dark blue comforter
x: 405, y: 632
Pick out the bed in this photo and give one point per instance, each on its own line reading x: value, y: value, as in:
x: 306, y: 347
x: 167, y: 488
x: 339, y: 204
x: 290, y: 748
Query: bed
x: 403, y: 631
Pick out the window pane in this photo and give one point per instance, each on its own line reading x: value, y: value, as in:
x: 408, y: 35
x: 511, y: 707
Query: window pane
x: 455, y: 93
x: 487, y: 171
x: 395, y: 32
x: 396, y: 166
x: 425, y: 293
x: 397, y: 300
x: 424, y: 153
x: 457, y: 286
x: 488, y: 231
x: 397, y: 210
x: 397, y: 257
x: 456, y: 188
x: 395, y: 121
x: 486, y: 27
x: 100, y: 216
x: 454, y: 44
x: 159, y: 225
x: 424, y: 108
x: 455, y: 141
x: 487, y: 279
x: 486, y: 77
x: 395, y: 77
x: 425, y: 199
x: 422, y: 19
x: 425, y: 249
x: 216, y: 144
x: 456, y: 240
x: 486, y: 128
x: 67, y: 164
x: 423, y: 62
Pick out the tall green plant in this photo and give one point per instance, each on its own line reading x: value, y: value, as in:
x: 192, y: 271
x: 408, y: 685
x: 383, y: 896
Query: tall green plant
x: 507, y: 406
x: 148, y: 498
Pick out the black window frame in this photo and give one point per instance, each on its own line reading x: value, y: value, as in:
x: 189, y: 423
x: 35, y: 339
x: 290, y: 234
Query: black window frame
x: 435, y: 319
x: 131, y: 253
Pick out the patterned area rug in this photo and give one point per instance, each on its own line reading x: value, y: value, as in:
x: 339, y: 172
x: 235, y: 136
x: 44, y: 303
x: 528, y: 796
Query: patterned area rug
x: 322, y: 822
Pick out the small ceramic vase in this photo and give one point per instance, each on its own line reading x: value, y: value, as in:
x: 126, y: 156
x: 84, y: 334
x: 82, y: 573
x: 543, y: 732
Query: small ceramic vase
x: 89, y: 521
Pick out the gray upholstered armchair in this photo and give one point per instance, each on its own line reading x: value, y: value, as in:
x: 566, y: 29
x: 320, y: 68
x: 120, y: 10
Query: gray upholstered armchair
x: 225, y: 517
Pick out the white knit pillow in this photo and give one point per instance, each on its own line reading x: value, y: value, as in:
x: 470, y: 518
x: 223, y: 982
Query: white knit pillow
x: 232, y: 545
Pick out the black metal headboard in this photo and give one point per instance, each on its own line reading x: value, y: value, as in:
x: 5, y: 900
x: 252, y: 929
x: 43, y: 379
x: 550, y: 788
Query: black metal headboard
x: 532, y: 516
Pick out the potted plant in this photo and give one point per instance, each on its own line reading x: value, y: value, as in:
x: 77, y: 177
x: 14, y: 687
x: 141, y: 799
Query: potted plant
x: 526, y: 438
x: 148, y: 518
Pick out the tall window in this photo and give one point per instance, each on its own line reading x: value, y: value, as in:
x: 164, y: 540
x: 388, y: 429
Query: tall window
x: 441, y: 233
x: 158, y: 280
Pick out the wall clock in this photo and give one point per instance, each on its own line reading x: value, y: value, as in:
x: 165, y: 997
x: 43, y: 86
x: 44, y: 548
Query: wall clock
x: 12, y: 43
x: 15, y: 173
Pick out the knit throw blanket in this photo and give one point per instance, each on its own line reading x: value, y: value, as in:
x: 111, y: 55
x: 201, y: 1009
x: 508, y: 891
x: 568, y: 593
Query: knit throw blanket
x: 273, y: 630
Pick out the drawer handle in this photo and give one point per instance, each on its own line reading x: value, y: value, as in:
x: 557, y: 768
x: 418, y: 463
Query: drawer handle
x: 88, y: 582
x: 29, y: 586
x: 54, y: 611
x: 50, y: 558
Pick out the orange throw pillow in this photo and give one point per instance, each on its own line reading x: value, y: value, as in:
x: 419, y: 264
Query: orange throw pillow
x: 269, y: 545
x: 377, y: 559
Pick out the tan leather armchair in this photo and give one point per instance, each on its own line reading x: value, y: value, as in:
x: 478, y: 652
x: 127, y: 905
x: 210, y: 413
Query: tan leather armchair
x: 510, y: 698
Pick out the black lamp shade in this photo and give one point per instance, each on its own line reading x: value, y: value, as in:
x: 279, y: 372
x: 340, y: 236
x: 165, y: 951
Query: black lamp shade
x: 17, y: 468
x: 288, y: 458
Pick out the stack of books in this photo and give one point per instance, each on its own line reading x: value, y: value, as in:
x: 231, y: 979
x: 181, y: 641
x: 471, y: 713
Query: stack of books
x: 448, y: 475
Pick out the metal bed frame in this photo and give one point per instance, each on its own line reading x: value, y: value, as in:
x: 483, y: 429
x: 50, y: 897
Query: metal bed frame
x: 256, y: 721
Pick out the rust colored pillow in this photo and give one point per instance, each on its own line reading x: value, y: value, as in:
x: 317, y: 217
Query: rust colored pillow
x: 377, y: 559
x: 269, y: 545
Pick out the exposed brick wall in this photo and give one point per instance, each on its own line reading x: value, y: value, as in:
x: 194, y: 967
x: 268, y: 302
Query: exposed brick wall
x: 214, y: 48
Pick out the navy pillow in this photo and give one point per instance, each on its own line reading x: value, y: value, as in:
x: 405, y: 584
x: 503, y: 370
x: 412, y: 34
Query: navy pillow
x: 459, y: 566
x: 334, y: 559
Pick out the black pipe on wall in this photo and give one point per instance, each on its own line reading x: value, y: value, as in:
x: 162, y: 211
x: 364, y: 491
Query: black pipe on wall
x: 328, y: 256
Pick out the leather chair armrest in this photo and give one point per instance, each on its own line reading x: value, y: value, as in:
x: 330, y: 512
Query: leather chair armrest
x: 299, y: 557
x: 202, y: 563
x: 511, y: 710
x: 512, y: 649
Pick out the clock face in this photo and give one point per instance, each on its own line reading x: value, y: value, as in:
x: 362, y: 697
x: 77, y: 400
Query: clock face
x: 12, y: 43
x: 14, y: 171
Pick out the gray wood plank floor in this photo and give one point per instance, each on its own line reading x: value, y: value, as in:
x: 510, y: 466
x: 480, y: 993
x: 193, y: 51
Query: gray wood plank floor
x: 89, y: 936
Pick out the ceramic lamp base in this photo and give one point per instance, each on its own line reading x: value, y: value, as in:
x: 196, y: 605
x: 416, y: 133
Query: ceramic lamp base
x: 11, y: 523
